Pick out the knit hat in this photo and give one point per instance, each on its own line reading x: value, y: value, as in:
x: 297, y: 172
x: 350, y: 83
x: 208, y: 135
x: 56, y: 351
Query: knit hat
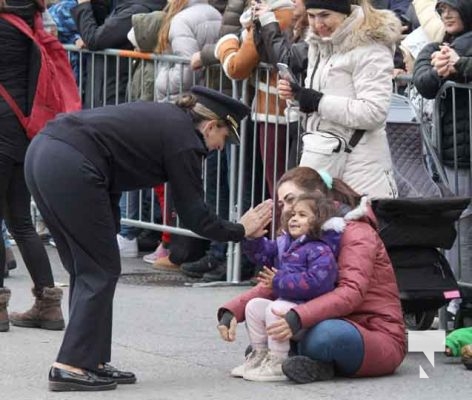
x: 341, y: 6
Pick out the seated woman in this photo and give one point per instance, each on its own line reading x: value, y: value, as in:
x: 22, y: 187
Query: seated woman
x: 355, y: 330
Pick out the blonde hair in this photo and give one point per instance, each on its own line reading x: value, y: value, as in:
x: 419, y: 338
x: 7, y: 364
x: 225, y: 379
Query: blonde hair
x: 171, y: 9
x: 197, y: 111
x: 371, y: 19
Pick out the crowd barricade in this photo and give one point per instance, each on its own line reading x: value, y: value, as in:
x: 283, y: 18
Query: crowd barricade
x: 457, y: 98
x: 240, y: 176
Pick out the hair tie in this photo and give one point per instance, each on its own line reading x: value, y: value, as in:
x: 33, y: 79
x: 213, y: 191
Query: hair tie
x: 327, y: 178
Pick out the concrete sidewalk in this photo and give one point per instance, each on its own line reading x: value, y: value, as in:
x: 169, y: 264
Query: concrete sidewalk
x: 167, y: 336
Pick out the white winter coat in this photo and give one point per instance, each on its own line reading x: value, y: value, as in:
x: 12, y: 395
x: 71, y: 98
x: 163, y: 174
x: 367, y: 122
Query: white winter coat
x: 191, y: 29
x: 354, y: 70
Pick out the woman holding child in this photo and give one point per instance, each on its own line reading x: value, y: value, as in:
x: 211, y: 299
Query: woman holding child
x: 357, y: 328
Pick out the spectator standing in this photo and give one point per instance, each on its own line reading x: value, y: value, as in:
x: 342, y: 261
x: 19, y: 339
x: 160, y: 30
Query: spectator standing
x: 112, y: 33
x: 17, y: 75
x: 437, y: 63
x: 347, y: 93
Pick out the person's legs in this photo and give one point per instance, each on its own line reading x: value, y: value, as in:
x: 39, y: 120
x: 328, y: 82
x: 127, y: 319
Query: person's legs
x: 127, y: 237
x: 20, y: 225
x: 255, y: 314
x: 78, y: 210
x: 331, y: 344
x: 260, y: 314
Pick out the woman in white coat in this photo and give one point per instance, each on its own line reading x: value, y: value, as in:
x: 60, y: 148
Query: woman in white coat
x: 347, y: 93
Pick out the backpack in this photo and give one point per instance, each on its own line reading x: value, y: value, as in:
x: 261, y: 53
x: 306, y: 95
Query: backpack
x: 56, y: 89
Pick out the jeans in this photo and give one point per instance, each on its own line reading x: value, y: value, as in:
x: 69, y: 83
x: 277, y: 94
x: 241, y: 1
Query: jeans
x: 129, y: 208
x: 336, y: 341
x: 6, y: 241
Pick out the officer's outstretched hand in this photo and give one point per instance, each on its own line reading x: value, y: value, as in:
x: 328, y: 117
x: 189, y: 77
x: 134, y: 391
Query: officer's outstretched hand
x: 256, y: 219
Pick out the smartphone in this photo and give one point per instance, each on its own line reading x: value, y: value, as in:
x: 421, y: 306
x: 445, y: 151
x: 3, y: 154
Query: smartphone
x: 286, y: 73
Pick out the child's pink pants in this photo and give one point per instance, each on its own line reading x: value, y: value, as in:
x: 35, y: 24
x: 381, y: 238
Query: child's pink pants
x: 259, y: 316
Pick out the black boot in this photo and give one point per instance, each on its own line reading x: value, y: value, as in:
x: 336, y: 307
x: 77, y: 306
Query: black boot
x: 200, y: 267
x: 302, y: 369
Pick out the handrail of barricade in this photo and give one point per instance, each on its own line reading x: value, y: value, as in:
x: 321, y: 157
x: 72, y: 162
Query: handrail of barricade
x: 130, y: 54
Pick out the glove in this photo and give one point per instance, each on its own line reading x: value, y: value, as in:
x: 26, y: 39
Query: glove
x: 226, y: 319
x: 309, y: 99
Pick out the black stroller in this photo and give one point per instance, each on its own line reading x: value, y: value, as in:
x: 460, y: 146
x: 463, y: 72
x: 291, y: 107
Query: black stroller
x: 418, y: 223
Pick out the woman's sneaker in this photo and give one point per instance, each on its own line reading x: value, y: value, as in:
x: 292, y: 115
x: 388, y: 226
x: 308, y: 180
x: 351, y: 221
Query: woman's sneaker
x: 302, y: 369
x: 270, y: 370
x: 160, y: 252
x: 253, y: 360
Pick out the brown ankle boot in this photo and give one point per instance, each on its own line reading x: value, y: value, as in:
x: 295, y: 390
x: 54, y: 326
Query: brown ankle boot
x: 4, y: 298
x: 46, y: 312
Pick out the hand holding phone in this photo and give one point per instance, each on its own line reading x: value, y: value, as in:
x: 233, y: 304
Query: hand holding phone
x: 286, y: 73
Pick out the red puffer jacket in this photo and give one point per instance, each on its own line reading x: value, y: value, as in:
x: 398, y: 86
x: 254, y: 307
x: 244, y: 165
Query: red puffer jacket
x: 366, y: 295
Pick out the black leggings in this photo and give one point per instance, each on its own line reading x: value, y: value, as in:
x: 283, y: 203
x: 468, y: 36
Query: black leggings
x: 15, y: 209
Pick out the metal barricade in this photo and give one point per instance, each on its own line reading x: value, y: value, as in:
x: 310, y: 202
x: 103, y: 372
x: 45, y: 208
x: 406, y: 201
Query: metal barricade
x: 241, y: 176
x: 453, y: 109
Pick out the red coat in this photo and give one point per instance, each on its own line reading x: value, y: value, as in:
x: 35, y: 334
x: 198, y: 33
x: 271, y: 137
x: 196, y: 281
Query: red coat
x: 366, y: 295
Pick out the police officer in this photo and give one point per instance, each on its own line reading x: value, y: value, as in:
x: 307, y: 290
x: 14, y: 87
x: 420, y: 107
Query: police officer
x: 77, y: 167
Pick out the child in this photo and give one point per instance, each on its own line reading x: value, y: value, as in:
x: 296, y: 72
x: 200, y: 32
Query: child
x: 303, y: 261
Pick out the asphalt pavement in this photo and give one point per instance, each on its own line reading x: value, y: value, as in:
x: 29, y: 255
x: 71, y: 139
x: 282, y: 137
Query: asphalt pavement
x: 165, y: 332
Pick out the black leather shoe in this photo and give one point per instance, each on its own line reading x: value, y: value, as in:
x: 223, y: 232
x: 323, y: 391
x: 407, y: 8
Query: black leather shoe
x: 120, y: 377
x: 61, y: 380
x: 219, y: 274
x: 197, y: 268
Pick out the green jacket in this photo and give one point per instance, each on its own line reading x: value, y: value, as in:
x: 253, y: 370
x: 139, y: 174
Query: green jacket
x: 146, y: 28
x: 458, y: 339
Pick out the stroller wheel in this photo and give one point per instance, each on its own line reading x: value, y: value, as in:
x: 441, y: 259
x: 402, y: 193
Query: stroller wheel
x: 420, y: 320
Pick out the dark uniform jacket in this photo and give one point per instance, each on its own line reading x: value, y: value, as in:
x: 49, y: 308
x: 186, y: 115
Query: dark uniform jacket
x: 138, y: 145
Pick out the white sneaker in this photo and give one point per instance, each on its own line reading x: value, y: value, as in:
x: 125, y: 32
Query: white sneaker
x: 128, y: 247
x: 253, y: 360
x: 270, y: 370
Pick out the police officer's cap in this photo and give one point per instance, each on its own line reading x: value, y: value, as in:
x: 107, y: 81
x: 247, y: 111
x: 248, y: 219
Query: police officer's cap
x: 228, y: 109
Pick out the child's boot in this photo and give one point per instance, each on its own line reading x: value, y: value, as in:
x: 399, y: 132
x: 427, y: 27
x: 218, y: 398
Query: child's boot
x: 253, y: 360
x: 270, y: 370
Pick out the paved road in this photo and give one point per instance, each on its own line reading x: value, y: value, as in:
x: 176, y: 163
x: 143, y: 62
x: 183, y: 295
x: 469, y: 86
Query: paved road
x: 167, y: 336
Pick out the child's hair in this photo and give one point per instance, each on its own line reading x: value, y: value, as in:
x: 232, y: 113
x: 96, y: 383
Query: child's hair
x: 171, y: 9
x: 322, y: 207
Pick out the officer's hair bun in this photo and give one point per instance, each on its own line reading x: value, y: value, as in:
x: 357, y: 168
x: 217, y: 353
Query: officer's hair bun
x: 186, y: 101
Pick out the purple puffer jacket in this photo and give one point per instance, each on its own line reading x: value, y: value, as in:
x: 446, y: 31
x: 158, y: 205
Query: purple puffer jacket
x: 306, y: 268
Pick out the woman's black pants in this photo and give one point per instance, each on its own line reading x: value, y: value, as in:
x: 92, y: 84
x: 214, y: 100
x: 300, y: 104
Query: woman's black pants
x: 81, y: 214
x: 15, y: 208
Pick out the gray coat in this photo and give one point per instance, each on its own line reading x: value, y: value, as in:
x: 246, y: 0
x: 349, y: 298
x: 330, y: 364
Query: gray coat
x: 192, y: 28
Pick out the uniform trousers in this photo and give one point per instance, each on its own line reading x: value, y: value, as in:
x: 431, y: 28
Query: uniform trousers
x: 74, y: 199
